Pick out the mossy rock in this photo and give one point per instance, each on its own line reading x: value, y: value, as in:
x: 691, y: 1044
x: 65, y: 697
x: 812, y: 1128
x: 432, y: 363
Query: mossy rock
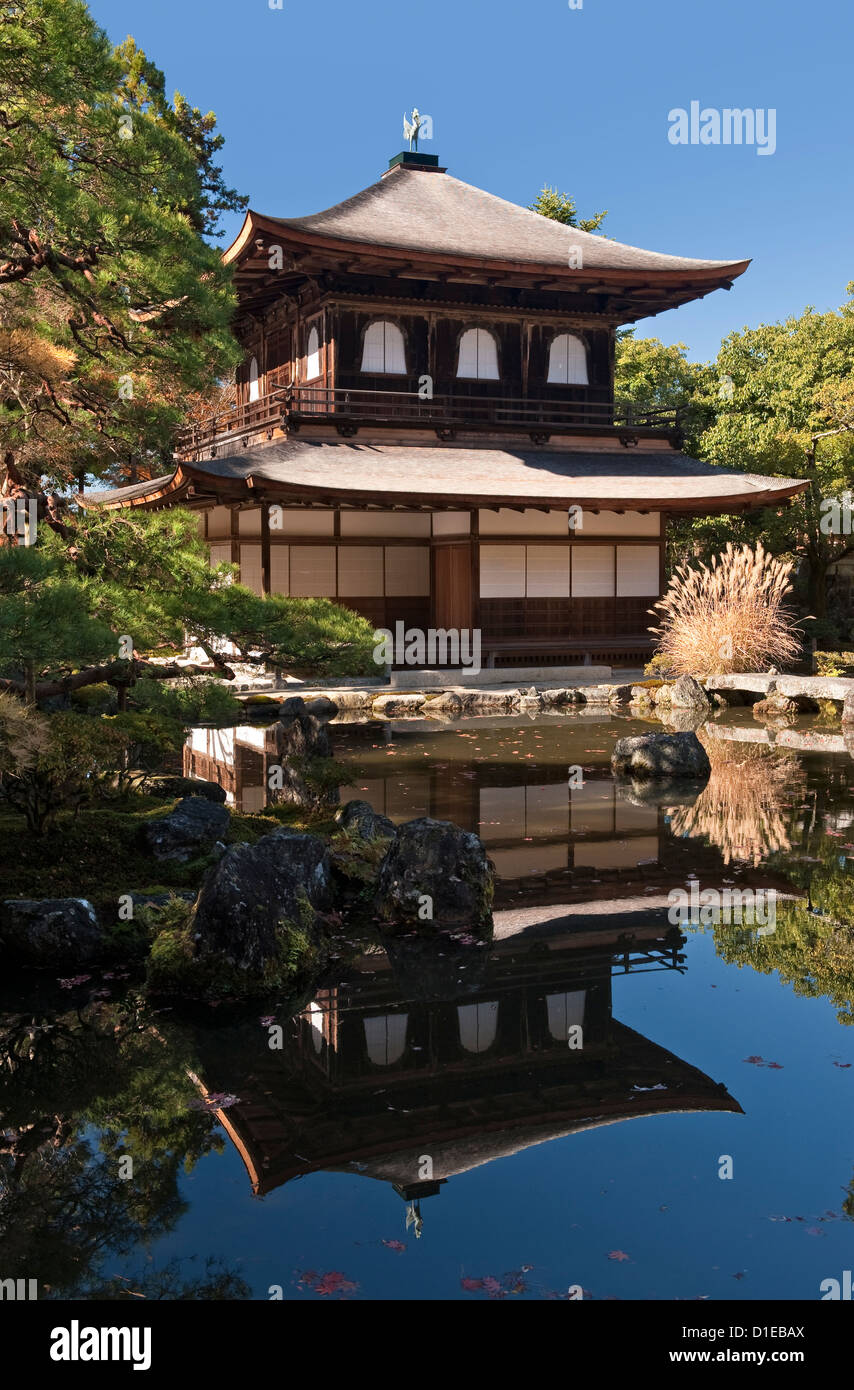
x: 436, y: 877
x: 257, y: 925
x: 176, y: 970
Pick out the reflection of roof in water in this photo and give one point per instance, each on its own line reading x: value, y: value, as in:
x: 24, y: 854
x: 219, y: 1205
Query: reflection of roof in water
x: 454, y: 1156
x: 301, y: 1113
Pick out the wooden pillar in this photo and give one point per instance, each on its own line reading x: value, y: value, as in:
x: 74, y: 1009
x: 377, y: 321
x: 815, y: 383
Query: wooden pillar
x: 234, y: 531
x: 474, y: 532
x: 265, y: 548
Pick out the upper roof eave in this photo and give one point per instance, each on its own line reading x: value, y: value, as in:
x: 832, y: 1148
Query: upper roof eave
x: 712, y: 274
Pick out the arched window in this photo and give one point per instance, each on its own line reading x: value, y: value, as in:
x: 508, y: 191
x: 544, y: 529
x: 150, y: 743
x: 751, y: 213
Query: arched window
x: 565, y: 1011
x: 385, y: 1038
x: 254, y: 385
x: 478, y: 355
x: 383, y: 351
x: 567, y: 361
x: 478, y: 1025
x: 312, y: 364
x: 317, y: 1019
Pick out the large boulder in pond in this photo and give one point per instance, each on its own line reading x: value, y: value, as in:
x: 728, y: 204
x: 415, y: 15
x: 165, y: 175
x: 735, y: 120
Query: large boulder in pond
x: 191, y: 829
x: 688, y: 693
x: 258, y: 898
x: 321, y: 708
x: 50, y: 932
x: 435, y: 877
x: 359, y: 851
x: 679, y: 756
x: 360, y: 818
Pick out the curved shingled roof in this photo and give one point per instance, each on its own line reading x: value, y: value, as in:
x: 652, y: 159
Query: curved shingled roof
x: 470, y: 476
x: 420, y: 211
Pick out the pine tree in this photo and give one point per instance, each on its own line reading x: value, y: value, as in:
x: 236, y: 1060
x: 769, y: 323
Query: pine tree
x: 112, y: 303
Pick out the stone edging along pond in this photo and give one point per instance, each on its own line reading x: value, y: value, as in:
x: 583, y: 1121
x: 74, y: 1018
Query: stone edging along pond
x: 769, y: 693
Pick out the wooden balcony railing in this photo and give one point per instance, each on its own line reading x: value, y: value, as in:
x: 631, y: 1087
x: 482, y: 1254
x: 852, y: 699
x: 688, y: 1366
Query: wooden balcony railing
x: 348, y: 408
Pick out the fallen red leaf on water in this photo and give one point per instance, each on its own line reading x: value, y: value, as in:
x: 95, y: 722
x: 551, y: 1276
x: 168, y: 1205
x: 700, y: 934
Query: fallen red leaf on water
x: 325, y: 1284
x: 511, y: 1283
x: 214, y: 1100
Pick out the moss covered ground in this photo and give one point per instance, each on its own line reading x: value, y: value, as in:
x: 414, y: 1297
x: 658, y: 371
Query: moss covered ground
x: 99, y: 853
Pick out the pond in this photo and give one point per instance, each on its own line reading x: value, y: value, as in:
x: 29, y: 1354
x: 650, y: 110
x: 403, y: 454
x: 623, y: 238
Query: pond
x: 603, y: 1101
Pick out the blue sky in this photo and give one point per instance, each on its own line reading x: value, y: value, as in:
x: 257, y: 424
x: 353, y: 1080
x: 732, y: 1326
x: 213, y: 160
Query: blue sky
x: 311, y: 99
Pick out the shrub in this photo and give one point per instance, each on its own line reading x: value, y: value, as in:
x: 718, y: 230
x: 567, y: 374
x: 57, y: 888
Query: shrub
x: 192, y: 701
x: 834, y: 663
x: 94, y: 699
x: 23, y: 735
x: 51, y: 765
x: 659, y: 667
x: 142, y: 742
x: 729, y: 615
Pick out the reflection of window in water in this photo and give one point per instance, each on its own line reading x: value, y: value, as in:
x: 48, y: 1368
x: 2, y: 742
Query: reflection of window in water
x: 617, y: 854
x: 510, y: 812
x: 593, y: 807
x: 529, y: 859
x: 385, y: 1038
x: 399, y: 799
x: 565, y: 1012
x: 478, y: 1025
x: 316, y: 1018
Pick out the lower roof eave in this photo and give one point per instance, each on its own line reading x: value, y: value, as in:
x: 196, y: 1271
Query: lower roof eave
x: 193, y: 484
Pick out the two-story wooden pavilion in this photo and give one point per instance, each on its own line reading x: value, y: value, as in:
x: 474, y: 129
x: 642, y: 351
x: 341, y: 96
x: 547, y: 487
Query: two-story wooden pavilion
x: 425, y: 426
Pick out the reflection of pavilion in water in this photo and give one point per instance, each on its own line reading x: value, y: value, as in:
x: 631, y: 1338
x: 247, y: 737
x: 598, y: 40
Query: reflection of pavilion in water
x: 549, y: 841
x: 373, y: 1082
x: 237, y: 759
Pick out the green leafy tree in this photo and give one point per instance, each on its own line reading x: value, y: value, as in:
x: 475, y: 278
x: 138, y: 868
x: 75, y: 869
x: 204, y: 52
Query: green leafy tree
x: 652, y: 374
x: 788, y: 409
x: 112, y: 303
x: 561, y: 207
x: 779, y: 399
